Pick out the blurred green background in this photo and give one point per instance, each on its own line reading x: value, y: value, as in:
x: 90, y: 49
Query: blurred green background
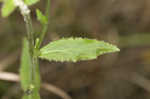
x: 123, y: 75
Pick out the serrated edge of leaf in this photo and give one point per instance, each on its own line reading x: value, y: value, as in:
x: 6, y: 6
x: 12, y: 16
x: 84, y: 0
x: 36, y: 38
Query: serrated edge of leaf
x: 116, y: 49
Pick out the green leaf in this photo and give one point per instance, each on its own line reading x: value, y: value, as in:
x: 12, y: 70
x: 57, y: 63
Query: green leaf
x: 7, y: 8
x: 29, y: 76
x: 31, y: 2
x: 75, y: 49
x: 25, y: 69
x: 43, y: 19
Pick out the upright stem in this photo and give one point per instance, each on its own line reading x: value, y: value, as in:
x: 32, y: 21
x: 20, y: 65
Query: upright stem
x: 30, y: 33
x: 45, y: 26
x: 34, y: 75
x: 30, y: 36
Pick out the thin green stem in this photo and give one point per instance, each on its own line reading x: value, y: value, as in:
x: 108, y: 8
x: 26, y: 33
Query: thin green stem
x: 45, y: 26
x: 34, y: 76
x: 30, y: 36
x: 30, y: 33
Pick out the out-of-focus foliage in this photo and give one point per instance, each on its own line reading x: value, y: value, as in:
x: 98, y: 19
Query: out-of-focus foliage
x: 31, y: 2
x: 8, y: 7
x: 42, y: 18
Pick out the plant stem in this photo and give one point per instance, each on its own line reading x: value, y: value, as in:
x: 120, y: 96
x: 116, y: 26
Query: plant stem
x: 45, y: 26
x: 30, y: 33
x: 34, y: 75
x: 30, y: 36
